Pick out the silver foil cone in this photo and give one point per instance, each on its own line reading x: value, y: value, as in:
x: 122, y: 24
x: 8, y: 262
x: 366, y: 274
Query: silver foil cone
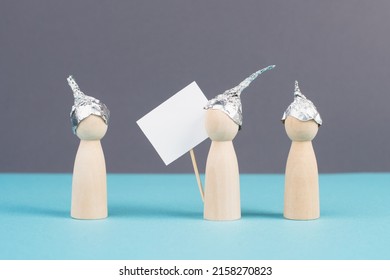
x: 230, y: 102
x: 302, y: 108
x: 85, y: 106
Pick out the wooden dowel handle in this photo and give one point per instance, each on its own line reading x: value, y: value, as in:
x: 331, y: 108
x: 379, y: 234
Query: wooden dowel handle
x: 196, y: 171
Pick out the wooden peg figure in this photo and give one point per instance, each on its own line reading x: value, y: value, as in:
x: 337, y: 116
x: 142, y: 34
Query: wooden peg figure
x: 301, y: 196
x: 89, y: 118
x: 222, y: 122
x: 222, y: 188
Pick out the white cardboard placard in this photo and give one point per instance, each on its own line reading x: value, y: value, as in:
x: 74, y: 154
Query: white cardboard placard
x: 177, y: 125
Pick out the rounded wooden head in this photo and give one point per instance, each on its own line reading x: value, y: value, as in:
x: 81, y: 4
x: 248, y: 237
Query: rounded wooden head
x: 299, y: 130
x: 219, y: 126
x: 91, y: 128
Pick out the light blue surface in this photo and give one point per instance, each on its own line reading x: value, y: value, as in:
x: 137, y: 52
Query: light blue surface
x: 160, y: 217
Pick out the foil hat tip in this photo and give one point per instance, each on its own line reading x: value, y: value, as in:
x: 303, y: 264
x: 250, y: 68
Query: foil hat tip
x: 230, y: 102
x: 77, y: 93
x: 297, y: 89
x: 85, y: 105
x: 302, y: 108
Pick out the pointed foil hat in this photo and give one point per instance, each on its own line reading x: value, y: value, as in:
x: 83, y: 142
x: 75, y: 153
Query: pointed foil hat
x: 85, y: 106
x: 302, y: 108
x: 229, y: 102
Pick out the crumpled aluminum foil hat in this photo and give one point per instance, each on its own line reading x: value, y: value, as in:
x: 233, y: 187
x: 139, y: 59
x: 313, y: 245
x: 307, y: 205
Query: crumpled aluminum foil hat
x: 230, y: 102
x: 85, y: 106
x: 302, y: 108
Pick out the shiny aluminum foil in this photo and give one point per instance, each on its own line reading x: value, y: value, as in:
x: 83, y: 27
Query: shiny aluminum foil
x: 302, y: 108
x: 85, y: 106
x: 230, y: 102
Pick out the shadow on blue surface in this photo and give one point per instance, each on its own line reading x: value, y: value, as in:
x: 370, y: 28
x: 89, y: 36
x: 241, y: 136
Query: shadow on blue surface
x: 116, y: 211
x: 126, y: 211
x: 256, y: 214
x: 144, y: 211
x: 152, y: 212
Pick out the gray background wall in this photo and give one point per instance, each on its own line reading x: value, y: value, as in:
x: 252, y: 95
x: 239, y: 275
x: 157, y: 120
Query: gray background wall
x: 133, y: 55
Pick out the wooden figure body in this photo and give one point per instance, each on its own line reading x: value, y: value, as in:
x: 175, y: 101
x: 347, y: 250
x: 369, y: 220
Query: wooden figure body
x: 301, y: 197
x: 223, y: 120
x: 89, y: 118
x: 89, y: 185
x: 222, y: 188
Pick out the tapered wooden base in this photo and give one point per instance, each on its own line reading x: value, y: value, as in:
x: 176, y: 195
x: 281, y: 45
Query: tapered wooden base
x: 89, y: 187
x: 222, y: 190
x: 301, y: 197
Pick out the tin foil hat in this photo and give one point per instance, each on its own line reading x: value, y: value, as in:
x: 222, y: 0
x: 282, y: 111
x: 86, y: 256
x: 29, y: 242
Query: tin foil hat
x: 230, y: 102
x: 85, y: 106
x: 302, y: 108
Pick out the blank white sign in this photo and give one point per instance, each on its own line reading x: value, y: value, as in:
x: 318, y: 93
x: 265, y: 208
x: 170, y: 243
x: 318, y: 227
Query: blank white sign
x: 177, y: 125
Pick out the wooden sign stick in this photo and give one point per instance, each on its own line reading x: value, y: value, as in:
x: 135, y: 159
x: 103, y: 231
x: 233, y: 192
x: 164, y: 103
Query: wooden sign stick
x: 196, y: 171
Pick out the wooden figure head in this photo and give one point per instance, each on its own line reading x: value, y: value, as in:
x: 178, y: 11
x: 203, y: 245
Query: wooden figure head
x: 219, y: 126
x: 91, y: 128
x: 300, y: 130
